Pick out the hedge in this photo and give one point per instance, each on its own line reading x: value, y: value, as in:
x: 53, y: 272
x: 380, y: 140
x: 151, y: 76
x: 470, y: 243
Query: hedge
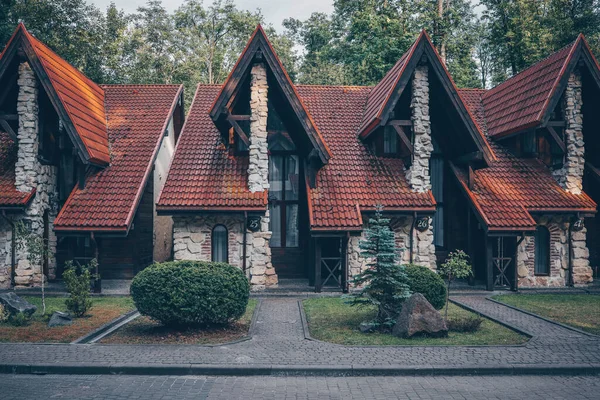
x: 428, y: 283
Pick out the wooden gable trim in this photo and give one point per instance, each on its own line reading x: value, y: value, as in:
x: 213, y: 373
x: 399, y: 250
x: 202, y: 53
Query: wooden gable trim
x: 259, y: 43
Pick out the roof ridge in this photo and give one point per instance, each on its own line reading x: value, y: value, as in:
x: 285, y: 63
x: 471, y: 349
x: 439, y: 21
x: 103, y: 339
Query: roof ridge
x: 334, y: 86
x: 142, y: 84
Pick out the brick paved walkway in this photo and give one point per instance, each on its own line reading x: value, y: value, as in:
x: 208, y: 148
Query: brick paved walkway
x: 278, y: 341
x: 246, y: 388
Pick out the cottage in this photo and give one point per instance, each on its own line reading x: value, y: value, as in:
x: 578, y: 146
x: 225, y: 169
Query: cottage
x: 280, y: 179
x: 81, y: 165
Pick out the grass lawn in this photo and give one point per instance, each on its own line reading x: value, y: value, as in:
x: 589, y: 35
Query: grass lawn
x: 331, y: 320
x: 144, y: 330
x: 104, y: 310
x: 578, y: 310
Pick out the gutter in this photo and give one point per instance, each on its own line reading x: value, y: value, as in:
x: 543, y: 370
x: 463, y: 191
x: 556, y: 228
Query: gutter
x: 412, y: 239
x: 13, y: 248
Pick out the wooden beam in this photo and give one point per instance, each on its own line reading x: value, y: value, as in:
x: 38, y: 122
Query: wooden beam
x: 560, y: 124
x: 557, y: 138
x: 9, y: 117
x: 469, y: 157
x: 404, y: 138
x: 400, y: 122
x: 238, y: 129
x: 8, y: 129
x: 471, y: 178
x: 489, y: 261
x: 239, y: 117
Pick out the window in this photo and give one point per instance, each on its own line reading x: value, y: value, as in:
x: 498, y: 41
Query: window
x: 219, y: 244
x: 390, y: 141
x: 542, y: 251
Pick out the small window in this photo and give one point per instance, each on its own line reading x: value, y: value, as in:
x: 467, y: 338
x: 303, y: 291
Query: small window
x: 542, y: 251
x: 219, y: 244
x: 390, y: 141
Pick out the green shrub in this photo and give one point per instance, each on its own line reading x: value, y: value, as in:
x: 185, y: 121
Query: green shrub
x: 77, y: 280
x: 428, y: 283
x: 4, y: 314
x: 467, y: 324
x: 19, y: 319
x: 191, y: 293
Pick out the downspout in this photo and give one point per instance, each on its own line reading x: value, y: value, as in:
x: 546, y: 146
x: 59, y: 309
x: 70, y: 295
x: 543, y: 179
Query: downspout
x: 97, y: 281
x: 412, y: 231
x: 570, y: 280
x: 244, y: 240
x: 13, y: 248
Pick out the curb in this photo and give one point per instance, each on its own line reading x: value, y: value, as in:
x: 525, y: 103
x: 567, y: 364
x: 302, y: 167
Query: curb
x: 572, y: 328
x: 104, y: 328
x: 298, y: 370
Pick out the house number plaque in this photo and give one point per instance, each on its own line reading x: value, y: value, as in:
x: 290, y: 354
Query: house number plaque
x: 578, y: 225
x: 254, y: 223
x: 422, y: 224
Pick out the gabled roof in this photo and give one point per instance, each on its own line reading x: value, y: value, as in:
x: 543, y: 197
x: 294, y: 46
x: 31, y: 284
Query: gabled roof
x: 138, y: 116
x: 260, y: 43
x: 506, y: 193
x: 10, y: 197
x: 386, y: 93
x: 78, y: 101
x: 527, y: 99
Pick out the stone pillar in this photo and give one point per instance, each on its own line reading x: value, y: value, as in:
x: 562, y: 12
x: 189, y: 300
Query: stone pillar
x: 27, y: 135
x: 424, y: 250
x: 258, y: 168
x: 582, y: 272
x: 570, y: 176
x: 418, y: 173
x: 261, y: 269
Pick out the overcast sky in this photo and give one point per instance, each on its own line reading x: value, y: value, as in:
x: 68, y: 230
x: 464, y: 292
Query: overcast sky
x: 275, y: 11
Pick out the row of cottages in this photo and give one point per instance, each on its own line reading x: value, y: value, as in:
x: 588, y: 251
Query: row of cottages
x: 81, y: 165
x: 281, y: 179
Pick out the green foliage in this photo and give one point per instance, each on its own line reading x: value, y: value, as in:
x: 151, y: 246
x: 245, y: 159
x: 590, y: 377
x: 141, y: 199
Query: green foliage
x: 77, y: 280
x: 428, y: 283
x: 456, y: 266
x: 384, y: 282
x: 19, y: 319
x: 468, y: 324
x: 4, y: 314
x: 191, y: 293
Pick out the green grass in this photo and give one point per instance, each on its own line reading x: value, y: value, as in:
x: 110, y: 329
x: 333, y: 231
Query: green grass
x: 332, y: 320
x: 144, y: 330
x: 104, y: 310
x: 581, y: 311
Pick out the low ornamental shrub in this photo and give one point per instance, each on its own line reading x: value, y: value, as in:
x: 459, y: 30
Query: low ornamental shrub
x: 19, y: 319
x: 465, y: 325
x: 428, y: 283
x: 191, y: 293
x: 4, y: 314
x: 77, y: 280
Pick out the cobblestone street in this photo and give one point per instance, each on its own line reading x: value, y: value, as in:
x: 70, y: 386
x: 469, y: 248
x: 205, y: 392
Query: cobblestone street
x: 229, y: 388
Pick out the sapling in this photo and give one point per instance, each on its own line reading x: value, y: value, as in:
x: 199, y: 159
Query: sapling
x: 456, y: 266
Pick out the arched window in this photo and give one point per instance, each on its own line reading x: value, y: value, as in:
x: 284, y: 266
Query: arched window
x: 542, y: 251
x: 219, y: 244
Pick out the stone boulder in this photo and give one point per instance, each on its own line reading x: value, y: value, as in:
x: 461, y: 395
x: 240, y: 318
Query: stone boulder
x: 14, y: 304
x: 419, y: 317
x: 60, y: 319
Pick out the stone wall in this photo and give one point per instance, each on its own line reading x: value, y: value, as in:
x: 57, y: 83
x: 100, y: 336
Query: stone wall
x: 163, y: 224
x: 192, y: 241
x: 423, y: 248
x: 258, y: 168
x: 418, y: 173
x: 5, y: 253
x: 558, y: 226
x: 570, y: 176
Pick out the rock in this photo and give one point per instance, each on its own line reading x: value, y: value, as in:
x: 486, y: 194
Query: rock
x: 367, y: 327
x: 419, y: 317
x: 60, y: 319
x: 14, y: 304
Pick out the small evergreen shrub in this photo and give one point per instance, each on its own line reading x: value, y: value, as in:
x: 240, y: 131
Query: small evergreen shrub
x: 191, y: 293
x: 77, y: 280
x: 465, y: 325
x: 428, y: 283
x: 19, y: 319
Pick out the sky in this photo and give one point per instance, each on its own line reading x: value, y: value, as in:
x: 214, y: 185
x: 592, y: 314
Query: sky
x: 275, y: 11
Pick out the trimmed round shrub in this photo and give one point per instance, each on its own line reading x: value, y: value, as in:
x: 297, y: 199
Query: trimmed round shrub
x: 428, y: 283
x: 191, y: 293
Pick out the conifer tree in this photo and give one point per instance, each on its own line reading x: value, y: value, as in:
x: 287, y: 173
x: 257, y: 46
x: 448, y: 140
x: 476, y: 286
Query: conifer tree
x: 384, y: 282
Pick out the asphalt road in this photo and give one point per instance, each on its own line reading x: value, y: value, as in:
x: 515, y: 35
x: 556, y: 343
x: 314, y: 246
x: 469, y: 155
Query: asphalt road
x: 269, y: 387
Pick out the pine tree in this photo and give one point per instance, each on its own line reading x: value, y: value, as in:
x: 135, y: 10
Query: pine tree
x: 384, y: 282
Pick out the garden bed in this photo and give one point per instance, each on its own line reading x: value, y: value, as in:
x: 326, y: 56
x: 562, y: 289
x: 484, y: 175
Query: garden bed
x: 332, y: 320
x: 144, y: 330
x: 581, y: 311
x: 104, y: 310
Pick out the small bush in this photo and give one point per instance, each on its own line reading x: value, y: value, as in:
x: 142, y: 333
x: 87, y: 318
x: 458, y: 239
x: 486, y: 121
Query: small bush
x: 191, y: 293
x: 465, y: 325
x: 428, y: 283
x: 19, y: 319
x: 4, y: 314
x: 77, y: 280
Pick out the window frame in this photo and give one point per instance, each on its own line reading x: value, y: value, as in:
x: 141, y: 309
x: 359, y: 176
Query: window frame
x: 538, y: 250
x: 212, y: 243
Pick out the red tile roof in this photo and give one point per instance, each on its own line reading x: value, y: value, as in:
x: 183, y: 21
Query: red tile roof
x: 521, y: 101
x: 137, y: 118
x: 82, y: 99
x: 204, y: 176
x: 506, y: 192
x: 9, y: 195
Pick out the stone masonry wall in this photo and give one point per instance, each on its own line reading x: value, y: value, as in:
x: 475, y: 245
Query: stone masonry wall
x: 258, y: 168
x: 423, y: 248
x: 570, y: 176
x: 558, y: 226
x: 418, y: 173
